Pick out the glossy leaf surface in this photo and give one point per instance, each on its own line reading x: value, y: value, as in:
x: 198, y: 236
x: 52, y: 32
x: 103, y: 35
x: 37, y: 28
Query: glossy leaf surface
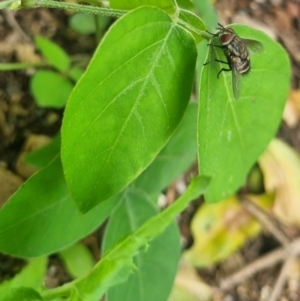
x: 127, y: 104
x: 175, y: 158
x: 233, y: 133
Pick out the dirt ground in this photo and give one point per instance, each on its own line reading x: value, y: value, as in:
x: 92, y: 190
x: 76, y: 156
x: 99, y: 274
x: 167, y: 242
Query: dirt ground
x: 21, y: 120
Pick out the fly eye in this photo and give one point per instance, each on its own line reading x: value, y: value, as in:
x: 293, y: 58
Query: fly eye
x: 226, y: 38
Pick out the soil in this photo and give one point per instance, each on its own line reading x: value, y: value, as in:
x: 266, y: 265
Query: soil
x: 21, y: 119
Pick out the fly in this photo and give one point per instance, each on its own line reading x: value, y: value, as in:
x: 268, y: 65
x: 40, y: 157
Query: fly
x: 237, y: 52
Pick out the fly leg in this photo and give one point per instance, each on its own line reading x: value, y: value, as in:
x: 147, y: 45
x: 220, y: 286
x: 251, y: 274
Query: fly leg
x: 212, y: 34
x: 223, y: 69
x: 222, y: 62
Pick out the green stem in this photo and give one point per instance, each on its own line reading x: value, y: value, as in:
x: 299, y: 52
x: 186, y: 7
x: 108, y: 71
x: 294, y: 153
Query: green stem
x: 201, y: 33
x: 72, y: 6
x: 62, y: 291
x: 98, y: 28
x: 19, y: 66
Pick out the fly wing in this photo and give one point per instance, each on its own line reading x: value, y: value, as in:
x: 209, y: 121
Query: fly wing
x: 236, y: 82
x: 253, y: 46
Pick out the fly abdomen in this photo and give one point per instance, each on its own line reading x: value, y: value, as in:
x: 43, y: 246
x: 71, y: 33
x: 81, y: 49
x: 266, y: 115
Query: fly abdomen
x: 243, y: 66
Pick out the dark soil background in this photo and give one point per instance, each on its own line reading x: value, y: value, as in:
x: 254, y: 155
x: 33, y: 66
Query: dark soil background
x: 24, y: 126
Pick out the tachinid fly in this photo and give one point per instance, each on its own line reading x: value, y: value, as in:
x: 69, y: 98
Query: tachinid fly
x: 237, y: 52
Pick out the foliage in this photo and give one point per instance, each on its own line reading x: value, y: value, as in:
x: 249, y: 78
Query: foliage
x: 129, y: 130
x: 52, y: 88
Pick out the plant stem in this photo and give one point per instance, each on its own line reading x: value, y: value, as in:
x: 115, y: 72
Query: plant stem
x: 77, y: 7
x: 19, y: 66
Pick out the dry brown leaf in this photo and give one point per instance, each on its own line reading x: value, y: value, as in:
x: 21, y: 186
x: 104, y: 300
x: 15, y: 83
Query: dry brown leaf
x: 280, y: 165
x: 26, y: 53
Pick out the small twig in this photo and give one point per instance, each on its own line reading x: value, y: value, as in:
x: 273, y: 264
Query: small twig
x: 281, y: 280
x: 266, y: 221
x: 15, y: 25
x: 272, y: 226
x: 292, y: 249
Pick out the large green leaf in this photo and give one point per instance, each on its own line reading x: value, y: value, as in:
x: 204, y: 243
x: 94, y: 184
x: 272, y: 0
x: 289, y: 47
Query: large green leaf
x: 127, y: 105
x: 157, y: 265
x: 45, y: 217
x: 233, y: 133
x: 175, y: 158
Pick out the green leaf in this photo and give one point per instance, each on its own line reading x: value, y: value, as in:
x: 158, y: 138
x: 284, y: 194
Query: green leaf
x: 232, y: 134
x: 45, y: 217
x: 78, y: 260
x: 85, y: 24
x: 188, y: 4
x: 53, y: 53
x: 75, y: 73
x: 117, y: 264
x: 207, y: 13
x: 127, y: 104
x: 192, y: 23
x: 50, y: 89
x: 43, y: 156
x: 175, y: 158
x: 163, y: 253
x: 168, y: 6
x: 22, y: 294
x: 31, y: 276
